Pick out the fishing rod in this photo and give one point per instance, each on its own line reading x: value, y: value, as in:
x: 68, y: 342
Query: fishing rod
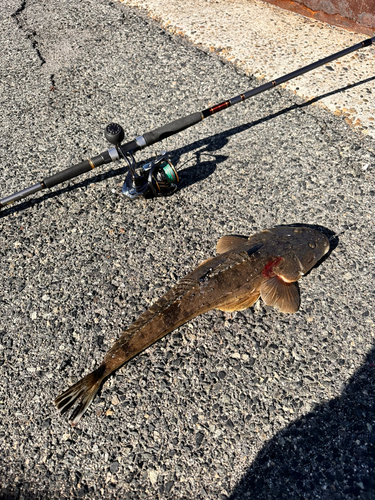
x: 159, y: 177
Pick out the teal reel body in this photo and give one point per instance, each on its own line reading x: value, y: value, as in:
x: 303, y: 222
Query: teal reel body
x: 158, y: 178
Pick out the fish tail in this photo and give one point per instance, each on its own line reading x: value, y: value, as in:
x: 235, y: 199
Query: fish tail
x: 83, y: 392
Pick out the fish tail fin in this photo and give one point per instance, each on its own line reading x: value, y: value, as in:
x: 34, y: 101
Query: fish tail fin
x: 83, y: 392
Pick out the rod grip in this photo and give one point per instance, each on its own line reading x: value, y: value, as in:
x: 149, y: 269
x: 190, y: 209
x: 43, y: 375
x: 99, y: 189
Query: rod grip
x: 172, y: 128
x: 75, y: 170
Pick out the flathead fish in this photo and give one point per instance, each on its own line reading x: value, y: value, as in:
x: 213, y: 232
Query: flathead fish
x: 265, y: 265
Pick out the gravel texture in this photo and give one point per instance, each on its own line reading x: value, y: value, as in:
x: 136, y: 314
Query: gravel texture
x: 256, y: 404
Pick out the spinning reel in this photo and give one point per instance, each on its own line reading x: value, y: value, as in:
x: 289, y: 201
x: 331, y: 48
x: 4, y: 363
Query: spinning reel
x: 157, y: 178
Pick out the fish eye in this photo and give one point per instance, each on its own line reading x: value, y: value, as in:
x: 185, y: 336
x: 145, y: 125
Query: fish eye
x: 312, y: 245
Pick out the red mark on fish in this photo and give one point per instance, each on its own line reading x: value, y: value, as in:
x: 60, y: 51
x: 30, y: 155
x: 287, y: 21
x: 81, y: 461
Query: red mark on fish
x: 268, y: 268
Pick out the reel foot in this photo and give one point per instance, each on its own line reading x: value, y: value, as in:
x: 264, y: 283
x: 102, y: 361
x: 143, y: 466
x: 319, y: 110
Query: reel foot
x: 132, y: 191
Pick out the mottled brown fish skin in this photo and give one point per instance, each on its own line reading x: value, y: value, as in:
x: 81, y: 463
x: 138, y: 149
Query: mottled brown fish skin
x: 266, y: 264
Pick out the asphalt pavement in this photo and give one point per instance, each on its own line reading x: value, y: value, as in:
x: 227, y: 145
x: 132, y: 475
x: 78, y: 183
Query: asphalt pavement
x: 250, y: 405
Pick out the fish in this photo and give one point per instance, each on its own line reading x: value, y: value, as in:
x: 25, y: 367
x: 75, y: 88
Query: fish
x: 267, y: 265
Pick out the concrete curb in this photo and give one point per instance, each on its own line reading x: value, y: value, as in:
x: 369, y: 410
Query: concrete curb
x: 268, y: 42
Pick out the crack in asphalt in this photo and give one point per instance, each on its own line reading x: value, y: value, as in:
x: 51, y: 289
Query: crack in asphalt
x: 31, y: 35
x: 19, y: 10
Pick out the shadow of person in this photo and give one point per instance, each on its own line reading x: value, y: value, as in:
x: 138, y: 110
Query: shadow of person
x: 327, y: 454
x: 7, y: 494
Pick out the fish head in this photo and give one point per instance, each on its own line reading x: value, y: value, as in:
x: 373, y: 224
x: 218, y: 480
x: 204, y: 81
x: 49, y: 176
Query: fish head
x: 299, y: 249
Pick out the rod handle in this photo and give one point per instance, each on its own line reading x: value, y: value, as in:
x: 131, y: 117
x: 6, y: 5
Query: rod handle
x: 75, y: 170
x: 172, y: 128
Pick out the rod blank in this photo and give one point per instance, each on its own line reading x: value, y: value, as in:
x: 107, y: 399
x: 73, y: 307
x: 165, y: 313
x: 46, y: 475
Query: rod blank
x: 282, y: 79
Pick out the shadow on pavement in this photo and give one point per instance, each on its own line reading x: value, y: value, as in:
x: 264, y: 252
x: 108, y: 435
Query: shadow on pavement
x: 8, y: 495
x: 327, y: 454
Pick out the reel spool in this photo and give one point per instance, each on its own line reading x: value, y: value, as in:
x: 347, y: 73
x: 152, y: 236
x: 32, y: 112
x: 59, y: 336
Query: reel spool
x: 161, y: 176
x: 157, y: 178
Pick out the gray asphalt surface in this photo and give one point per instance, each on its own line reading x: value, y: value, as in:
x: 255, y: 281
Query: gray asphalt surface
x: 255, y: 404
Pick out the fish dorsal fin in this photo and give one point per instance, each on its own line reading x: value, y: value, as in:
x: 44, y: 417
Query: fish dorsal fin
x: 277, y: 293
x: 230, y: 243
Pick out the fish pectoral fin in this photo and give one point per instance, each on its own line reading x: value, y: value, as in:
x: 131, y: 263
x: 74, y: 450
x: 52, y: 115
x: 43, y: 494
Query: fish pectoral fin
x: 228, y: 243
x: 277, y: 293
x: 239, y: 304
